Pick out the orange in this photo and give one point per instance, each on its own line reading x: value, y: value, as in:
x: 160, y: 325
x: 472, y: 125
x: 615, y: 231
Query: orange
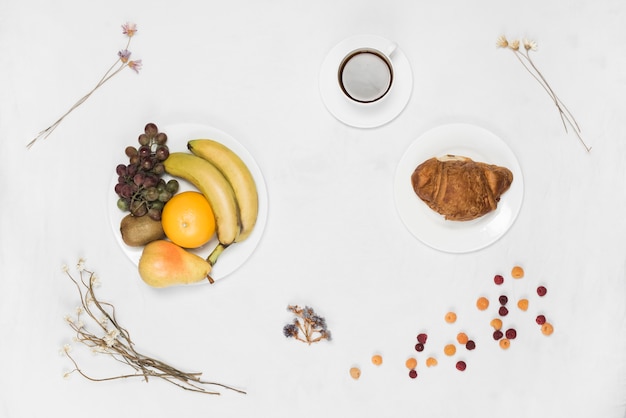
x: 188, y: 219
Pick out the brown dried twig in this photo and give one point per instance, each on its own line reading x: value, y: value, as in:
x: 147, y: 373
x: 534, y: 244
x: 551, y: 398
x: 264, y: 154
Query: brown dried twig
x: 113, y: 340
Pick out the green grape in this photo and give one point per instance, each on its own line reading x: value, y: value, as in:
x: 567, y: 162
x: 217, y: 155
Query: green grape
x: 151, y: 130
x: 151, y: 194
x: 143, y: 140
x: 122, y: 204
x: 164, y: 196
x: 172, y: 186
x: 161, y: 138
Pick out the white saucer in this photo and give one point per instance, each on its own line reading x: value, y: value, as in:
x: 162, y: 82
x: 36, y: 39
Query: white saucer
x: 430, y: 227
x: 365, y: 115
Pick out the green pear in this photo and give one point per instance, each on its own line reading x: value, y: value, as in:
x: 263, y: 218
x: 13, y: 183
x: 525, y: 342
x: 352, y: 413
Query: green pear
x: 164, y: 264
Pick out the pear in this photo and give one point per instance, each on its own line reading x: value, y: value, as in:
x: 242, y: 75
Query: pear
x: 164, y: 264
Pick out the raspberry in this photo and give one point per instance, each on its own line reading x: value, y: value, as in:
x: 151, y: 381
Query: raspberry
x: 421, y: 338
x: 498, y: 279
x: 541, y: 291
x: 541, y: 319
x: 470, y: 345
x: 511, y: 334
x: 419, y: 347
x: 497, y: 334
x: 503, y: 311
x: 460, y: 365
x: 503, y: 300
x: 413, y: 374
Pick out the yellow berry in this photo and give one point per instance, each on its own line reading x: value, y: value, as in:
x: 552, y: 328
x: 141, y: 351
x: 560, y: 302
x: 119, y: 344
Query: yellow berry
x: 505, y: 343
x: 522, y: 304
x: 355, y: 373
x: 411, y: 363
x: 547, y: 329
x: 450, y: 317
x: 449, y: 350
x: 496, y: 323
x: 377, y: 359
x: 517, y: 272
x: 482, y: 303
x: 431, y: 361
x: 462, y: 338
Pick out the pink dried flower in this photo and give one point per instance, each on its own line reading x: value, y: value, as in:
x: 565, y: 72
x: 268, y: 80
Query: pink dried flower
x: 129, y: 29
x: 135, y: 65
x: 124, y: 55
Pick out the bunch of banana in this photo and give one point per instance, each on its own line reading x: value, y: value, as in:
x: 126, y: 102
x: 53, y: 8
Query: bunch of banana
x: 226, y: 182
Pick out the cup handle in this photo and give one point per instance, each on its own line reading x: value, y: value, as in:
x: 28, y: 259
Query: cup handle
x: 390, y: 49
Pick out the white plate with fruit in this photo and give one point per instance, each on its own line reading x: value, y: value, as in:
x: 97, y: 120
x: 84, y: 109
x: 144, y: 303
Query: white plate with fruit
x: 176, y: 162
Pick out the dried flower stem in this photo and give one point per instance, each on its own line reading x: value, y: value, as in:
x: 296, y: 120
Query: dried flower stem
x: 307, y: 326
x: 121, y: 62
x: 117, y: 343
x: 523, y: 55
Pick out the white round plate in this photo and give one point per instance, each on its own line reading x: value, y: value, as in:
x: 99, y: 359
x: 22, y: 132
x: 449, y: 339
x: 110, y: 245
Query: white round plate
x: 430, y: 227
x: 365, y: 115
x: 237, y: 254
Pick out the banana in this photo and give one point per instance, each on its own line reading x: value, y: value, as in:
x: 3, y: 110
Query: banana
x: 214, y: 186
x: 237, y: 174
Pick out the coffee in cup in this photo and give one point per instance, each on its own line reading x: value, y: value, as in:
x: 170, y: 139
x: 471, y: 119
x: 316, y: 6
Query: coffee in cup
x: 366, y: 74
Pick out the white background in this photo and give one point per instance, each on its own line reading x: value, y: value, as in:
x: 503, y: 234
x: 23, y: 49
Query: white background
x: 333, y: 239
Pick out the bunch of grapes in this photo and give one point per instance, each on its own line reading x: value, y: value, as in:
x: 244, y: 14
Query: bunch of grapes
x: 140, y: 186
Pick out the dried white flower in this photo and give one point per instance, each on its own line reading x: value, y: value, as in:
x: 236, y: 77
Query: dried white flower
x: 65, y: 268
x: 94, y: 280
x: 80, y: 266
x: 65, y: 349
x: 514, y: 45
x: 529, y: 44
x: 502, y: 42
x: 69, y: 319
x: 111, y: 336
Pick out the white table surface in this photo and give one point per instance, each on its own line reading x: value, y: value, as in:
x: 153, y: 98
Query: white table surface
x: 333, y: 239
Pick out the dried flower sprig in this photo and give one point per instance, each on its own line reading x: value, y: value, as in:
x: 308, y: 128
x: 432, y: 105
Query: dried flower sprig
x: 307, y: 326
x: 523, y: 55
x: 113, y: 340
x: 122, y: 61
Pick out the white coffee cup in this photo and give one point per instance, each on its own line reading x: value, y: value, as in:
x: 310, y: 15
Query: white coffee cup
x: 366, y: 74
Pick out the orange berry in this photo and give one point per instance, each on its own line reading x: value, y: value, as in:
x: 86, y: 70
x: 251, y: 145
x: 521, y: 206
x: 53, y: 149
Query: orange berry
x: 547, y: 329
x: 411, y: 363
x: 377, y: 359
x: 496, y: 323
x: 517, y: 272
x: 462, y: 338
x: 482, y: 303
x: 450, y: 317
x: 355, y: 373
x: 188, y: 220
x: 522, y: 304
x: 505, y: 343
x: 449, y: 350
x: 431, y: 362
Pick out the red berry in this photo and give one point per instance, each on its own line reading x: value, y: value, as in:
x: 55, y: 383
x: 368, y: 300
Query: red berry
x: 460, y: 365
x: 470, y: 345
x: 511, y: 334
x: 498, y: 279
x: 419, y: 347
x: 503, y: 311
x: 541, y: 319
x: 503, y: 300
x: 421, y: 338
x: 413, y: 374
x: 497, y: 334
x: 541, y: 291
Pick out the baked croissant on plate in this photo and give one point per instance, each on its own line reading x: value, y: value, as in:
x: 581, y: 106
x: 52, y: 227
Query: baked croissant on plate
x: 459, y: 188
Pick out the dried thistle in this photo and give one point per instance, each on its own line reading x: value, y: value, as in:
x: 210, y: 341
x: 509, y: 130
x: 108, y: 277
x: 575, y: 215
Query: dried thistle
x: 307, y: 326
x: 113, y: 340
x: 523, y: 55
x: 122, y: 61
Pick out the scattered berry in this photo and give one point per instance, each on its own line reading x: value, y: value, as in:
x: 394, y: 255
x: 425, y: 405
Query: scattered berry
x: 419, y: 347
x: 470, y: 345
x: 450, y: 317
x: 413, y: 374
x: 522, y: 304
x: 517, y: 272
x: 482, y: 303
x: 541, y: 291
x: 547, y: 328
x: 411, y: 363
x: 503, y: 300
x: 431, y: 362
x: 421, y: 338
x: 503, y: 311
x: 462, y: 338
x: 541, y: 319
x: 377, y: 359
x: 355, y: 373
x: 497, y: 334
x: 449, y: 350
x: 510, y: 334
x: 460, y: 365
x: 496, y: 323
x: 498, y: 279
x: 505, y: 343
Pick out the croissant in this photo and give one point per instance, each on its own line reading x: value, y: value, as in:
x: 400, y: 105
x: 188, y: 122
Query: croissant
x: 459, y: 188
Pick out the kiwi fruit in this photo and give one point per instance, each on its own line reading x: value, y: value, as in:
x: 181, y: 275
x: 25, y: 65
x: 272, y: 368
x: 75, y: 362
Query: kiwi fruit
x: 138, y: 231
